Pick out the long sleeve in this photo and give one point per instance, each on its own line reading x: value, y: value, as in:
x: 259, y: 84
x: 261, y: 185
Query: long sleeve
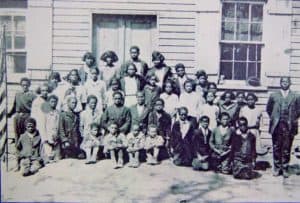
x: 126, y: 126
x: 61, y: 128
x: 270, y: 105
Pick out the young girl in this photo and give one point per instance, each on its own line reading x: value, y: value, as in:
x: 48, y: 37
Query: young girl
x: 253, y: 116
x: 54, y: 81
x: 243, y: 150
x: 109, y: 70
x: 151, y: 89
x: 153, y: 143
x: 212, y: 87
x: 180, y: 78
x: 211, y: 110
x: 201, y: 82
x: 95, y: 86
x: 131, y: 83
x: 115, y: 143
x: 89, y: 62
x: 191, y: 99
x: 160, y: 69
x: 91, y: 143
x: 229, y: 106
x: 220, y: 143
x: 114, y: 86
x: 170, y: 98
x: 136, y: 141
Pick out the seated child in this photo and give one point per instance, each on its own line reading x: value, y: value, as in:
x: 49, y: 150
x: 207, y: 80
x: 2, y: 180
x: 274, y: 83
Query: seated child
x: 115, y: 143
x: 136, y: 141
x: 91, y: 142
x: 153, y: 143
x: 29, y: 146
x: 201, y: 145
x: 243, y: 150
x: 220, y: 143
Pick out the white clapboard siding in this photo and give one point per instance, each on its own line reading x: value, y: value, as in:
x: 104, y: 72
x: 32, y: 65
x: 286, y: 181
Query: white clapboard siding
x: 295, y: 44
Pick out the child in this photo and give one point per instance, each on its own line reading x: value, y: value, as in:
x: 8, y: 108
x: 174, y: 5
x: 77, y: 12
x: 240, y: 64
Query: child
x: 109, y: 69
x: 97, y: 87
x: 131, y: 83
x: 89, y: 115
x: 89, y: 62
x: 54, y: 81
x: 153, y: 143
x: 151, y: 89
x: 201, y: 147
x: 201, y: 82
x: 51, y: 145
x: 114, y: 86
x: 29, y: 146
x: 115, y: 143
x: 69, y: 130
x: 22, y: 107
x: 220, y: 143
x: 240, y: 99
x: 191, y: 99
x: 160, y: 69
x: 212, y: 87
x: 243, y: 150
x: 253, y: 116
x: 170, y: 98
x: 136, y: 141
x: 91, y: 143
x: 211, y: 110
x: 229, y: 107
x: 180, y: 78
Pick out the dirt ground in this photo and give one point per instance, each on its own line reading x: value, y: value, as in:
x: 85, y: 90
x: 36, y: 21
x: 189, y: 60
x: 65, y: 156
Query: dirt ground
x: 73, y: 181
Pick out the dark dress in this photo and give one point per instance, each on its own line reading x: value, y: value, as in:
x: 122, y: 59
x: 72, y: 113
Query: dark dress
x: 151, y: 94
x: 163, y: 122
x: 181, y: 143
x: 139, y: 119
x: 244, y: 154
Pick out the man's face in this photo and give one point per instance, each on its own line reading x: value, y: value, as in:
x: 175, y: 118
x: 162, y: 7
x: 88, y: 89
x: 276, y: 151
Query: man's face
x: 30, y: 127
x: 118, y: 99
x: 140, y: 98
x: 93, y: 103
x: 25, y: 86
x: 134, y: 54
x: 72, y: 102
x: 285, y: 83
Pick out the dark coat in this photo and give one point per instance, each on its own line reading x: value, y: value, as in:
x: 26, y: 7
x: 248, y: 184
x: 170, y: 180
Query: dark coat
x: 141, y: 120
x: 201, y: 143
x: 163, y: 123
x: 29, y: 147
x: 144, y: 68
x: 167, y: 72
x: 273, y: 110
x: 69, y: 128
x: 151, y: 95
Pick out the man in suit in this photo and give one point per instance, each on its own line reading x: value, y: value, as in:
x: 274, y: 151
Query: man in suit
x: 283, y: 108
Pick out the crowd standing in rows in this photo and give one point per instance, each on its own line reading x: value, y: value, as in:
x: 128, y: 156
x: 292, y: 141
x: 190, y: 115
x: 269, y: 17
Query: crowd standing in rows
x: 135, y: 113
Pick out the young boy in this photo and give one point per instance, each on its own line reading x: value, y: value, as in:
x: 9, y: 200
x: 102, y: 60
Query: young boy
x: 29, y: 146
x: 91, y: 143
x: 220, y: 143
x: 115, y: 142
x: 136, y: 141
x: 69, y: 130
x: 51, y: 145
x: 153, y: 143
x: 210, y: 109
x: 22, y: 108
x: 243, y: 150
x: 201, y: 147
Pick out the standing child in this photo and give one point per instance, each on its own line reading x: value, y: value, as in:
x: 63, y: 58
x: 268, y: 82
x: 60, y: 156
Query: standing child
x: 211, y: 110
x: 201, y: 82
x: 153, y: 143
x: 136, y: 141
x: 229, y: 106
x: 151, y: 89
x: 109, y: 70
x: 22, y: 107
x: 115, y: 143
x: 89, y: 62
x: 29, y: 146
x: 253, y: 116
x: 114, y: 86
x: 243, y: 150
x: 220, y: 143
x: 201, y: 147
x: 180, y: 78
x: 170, y: 98
x: 212, y: 87
x: 91, y: 143
x: 51, y: 145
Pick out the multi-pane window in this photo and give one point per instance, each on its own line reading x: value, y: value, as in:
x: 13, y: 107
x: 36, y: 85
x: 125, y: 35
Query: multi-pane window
x: 241, y: 40
x: 15, y: 42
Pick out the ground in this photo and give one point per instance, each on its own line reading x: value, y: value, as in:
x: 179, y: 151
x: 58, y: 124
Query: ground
x: 73, y: 181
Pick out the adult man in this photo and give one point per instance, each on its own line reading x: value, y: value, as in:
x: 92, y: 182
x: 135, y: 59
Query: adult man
x: 283, y: 107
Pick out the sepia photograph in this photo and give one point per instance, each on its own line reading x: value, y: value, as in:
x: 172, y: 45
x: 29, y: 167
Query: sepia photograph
x: 149, y: 101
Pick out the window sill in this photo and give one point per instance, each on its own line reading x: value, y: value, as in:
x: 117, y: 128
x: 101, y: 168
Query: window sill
x: 241, y: 86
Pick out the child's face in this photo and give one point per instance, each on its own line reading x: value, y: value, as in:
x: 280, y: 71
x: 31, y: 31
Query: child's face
x: 135, y: 130
x: 243, y: 126
x: 183, y: 114
x: 204, y: 123
x: 152, y: 132
x: 94, y: 74
x: 240, y: 98
x: 152, y: 81
x: 118, y: 100
x: 54, y: 80
x: 53, y: 103
x: 44, y: 91
x: 250, y: 101
x: 72, y: 102
x: 94, y: 131
x: 89, y: 61
x: 134, y: 54
x: 25, y: 86
x: 180, y: 72
x: 210, y: 97
x: 202, y: 80
x: 188, y: 87
x: 30, y: 127
x: 114, y: 86
x: 168, y: 88
x: 227, y: 98
x: 156, y: 62
x: 109, y: 61
x: 131, y: 70
x: 140, y: 98
x: 285, y: 83
x: 74, y: 76
x: 159, y: 106
x: 212, y: 88
x: 225, y: 121
x: 93, y: 103
x: 113, y: 128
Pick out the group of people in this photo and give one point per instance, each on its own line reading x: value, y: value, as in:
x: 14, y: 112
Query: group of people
x: 136, y: 113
